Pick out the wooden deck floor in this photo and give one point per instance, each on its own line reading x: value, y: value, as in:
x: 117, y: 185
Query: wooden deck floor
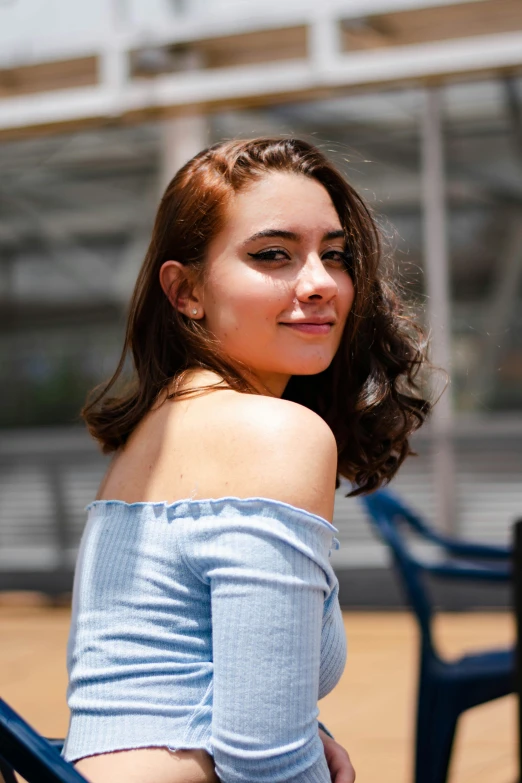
x: 370, y: 712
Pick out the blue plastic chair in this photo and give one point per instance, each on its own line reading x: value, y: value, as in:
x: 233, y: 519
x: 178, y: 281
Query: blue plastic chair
x: 25, y: 751
x: 446, y: 688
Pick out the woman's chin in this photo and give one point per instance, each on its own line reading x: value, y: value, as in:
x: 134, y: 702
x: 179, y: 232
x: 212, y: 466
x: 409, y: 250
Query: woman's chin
x: 309, y: 367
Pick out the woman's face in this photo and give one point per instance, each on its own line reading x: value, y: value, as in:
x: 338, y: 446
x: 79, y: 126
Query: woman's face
x: 277, y: 292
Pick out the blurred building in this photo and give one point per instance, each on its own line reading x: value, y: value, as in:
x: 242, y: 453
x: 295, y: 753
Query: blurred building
x: 420, y: 102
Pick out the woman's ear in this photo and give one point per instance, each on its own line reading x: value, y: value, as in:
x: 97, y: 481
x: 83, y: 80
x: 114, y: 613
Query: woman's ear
x: 178, y: 287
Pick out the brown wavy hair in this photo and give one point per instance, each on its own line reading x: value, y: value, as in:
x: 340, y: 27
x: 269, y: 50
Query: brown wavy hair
x: 370, y: 394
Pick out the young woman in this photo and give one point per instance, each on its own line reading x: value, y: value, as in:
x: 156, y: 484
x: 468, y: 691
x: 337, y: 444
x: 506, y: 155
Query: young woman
x: 269, y: 357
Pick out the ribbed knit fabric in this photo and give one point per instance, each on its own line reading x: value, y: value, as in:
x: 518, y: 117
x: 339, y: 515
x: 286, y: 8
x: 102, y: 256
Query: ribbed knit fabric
x: 208, y: 624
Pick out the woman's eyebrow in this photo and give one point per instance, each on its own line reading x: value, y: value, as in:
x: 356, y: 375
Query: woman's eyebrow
x: 274, y: 232
x: 270, y: 233
x: 340, y: 234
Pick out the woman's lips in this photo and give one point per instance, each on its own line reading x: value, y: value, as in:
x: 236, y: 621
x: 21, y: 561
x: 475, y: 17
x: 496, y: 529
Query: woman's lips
x: 310, y: 328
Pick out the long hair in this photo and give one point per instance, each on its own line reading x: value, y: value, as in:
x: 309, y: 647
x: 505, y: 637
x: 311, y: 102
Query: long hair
x: 369, y: 395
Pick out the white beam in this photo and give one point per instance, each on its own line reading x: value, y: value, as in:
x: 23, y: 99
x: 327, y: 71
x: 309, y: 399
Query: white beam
x: 363, y: 68
x: 114, y: 59
x: 182, y: 138
x: 324, y: 41
x: 46, y: 45
x: 439, y: 58
x: 114, y: 73
x: 55, y: 107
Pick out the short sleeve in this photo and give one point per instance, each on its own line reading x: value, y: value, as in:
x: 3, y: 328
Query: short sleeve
x: 268, y: 578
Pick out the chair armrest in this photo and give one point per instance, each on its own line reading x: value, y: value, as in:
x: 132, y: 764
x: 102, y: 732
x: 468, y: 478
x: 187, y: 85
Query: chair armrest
x: 56, y: 743
x: 470, y: 571
x: 29, y: 753
x: 477, y: 551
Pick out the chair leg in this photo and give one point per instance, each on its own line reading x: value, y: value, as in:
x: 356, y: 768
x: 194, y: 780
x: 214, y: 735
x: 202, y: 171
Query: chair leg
x: 444, y: 746
x: 436, y: 723
x: 425, y: 707
x: 6, y: 773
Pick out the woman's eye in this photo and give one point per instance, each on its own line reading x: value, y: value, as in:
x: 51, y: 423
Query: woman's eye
x: 339, y: 257
x: 269, y: 255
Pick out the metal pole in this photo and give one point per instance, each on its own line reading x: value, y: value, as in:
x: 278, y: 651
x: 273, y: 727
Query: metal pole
x: 436, y: 270
x: 517, y: 605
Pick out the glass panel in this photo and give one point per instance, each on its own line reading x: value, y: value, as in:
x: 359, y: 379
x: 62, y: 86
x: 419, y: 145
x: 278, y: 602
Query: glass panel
x: 75, y: 218
x: 483, y: 139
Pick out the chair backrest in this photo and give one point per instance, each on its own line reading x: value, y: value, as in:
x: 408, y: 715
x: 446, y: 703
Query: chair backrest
x: 388, y: 516
x: 29, y: 754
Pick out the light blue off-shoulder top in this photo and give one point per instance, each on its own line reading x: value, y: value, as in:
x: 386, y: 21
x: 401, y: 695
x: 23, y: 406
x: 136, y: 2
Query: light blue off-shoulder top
x: 209, y: 624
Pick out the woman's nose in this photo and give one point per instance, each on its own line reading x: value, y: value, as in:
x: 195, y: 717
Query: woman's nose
x: 314, y: 280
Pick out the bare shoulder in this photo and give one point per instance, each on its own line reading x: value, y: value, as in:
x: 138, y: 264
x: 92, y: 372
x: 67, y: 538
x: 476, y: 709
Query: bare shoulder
x: 269, y: 447
x: 267, y: 419
x: 229, y: 444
